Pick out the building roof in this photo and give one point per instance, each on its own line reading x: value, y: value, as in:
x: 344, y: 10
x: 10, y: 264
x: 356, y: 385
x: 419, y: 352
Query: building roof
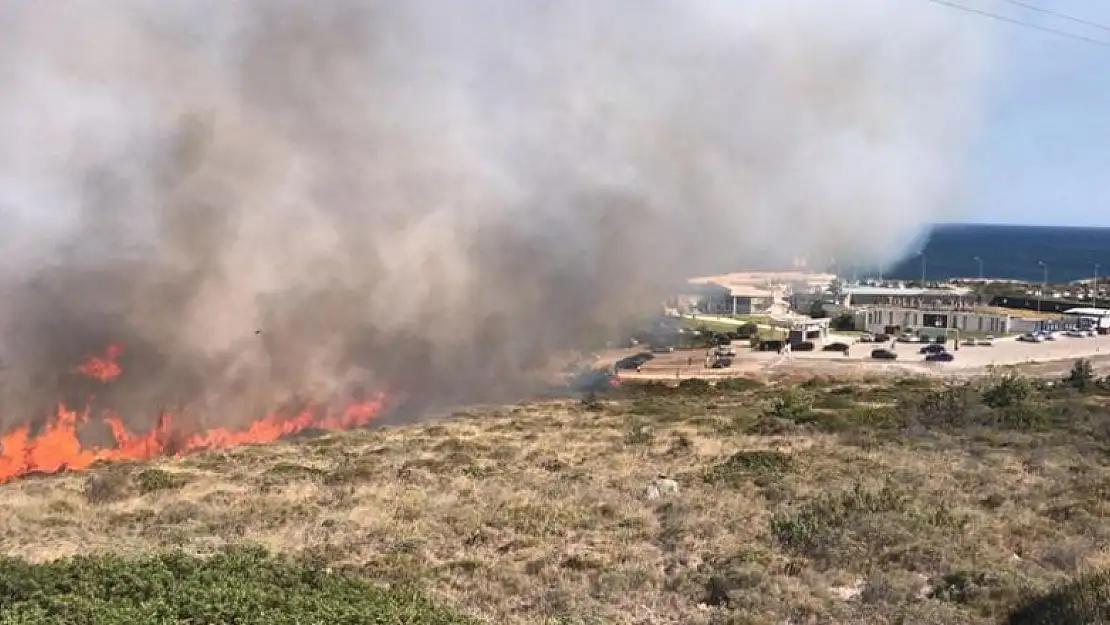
x: 1089, y: 312
x: 893, y: 291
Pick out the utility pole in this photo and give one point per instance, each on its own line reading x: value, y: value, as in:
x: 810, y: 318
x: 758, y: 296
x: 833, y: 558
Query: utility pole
x: 980, y: 261
x: 1094, y: 288
x: 1044, y: 284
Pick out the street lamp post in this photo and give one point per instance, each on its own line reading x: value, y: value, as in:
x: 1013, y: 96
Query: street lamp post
x: 1044, y: 284
x: 980, y: 261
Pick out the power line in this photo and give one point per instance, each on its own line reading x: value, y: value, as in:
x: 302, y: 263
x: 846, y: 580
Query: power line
x: 1063, y: 16
x: 1010, y: 20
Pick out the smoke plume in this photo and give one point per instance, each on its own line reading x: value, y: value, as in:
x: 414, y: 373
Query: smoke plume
x: 431, y: 196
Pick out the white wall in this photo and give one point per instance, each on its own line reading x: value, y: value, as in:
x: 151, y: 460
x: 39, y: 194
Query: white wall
x: 876, y: 319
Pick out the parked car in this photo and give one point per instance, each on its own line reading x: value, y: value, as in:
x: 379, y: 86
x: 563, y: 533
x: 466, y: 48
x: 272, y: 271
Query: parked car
x: 771, y: 346
x: 804, y: 346
x: 969, y: 343
x: 1031, y: 338
x: 932, y: 349
x: 867, y: 337
x: 986, y: 341
x: 835, y: 347
x: 881, y: 338
x: 884, y: 354
x: 722, y: 363
x: 662, y: 349
x: 940, y: 357
x: 1050, y: 336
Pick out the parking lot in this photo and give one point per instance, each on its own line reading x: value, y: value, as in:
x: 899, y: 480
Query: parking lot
x: 1004, y: 351
x: 968, y: 360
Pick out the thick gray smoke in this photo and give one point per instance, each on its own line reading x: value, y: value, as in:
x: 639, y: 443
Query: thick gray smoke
x: 431, y: 196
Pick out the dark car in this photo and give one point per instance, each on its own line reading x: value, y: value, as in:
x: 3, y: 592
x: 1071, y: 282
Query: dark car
x: 884, y: 354
x: 804, y: 346
x: 835, y: 347
x: 940, y: 357
x: 722, y: 363
x: 881, y: 338
x: 771, y: 346
x: 932, y: 349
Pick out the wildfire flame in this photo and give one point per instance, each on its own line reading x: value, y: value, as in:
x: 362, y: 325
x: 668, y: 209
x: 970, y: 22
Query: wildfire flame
x: 57, y: 447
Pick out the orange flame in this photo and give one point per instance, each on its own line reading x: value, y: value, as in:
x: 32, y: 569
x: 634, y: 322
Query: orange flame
x: 104, y: 369
x: 57, y: 447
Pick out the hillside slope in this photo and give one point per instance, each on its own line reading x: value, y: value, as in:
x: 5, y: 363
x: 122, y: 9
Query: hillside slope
x: 851, y: 504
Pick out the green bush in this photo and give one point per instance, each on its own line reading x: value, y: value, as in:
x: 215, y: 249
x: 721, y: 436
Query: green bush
x: 744, y: 465
x: 245, y: 586
x: 1085, y: 601
x: 792, y: 405
x: 1081, y: 377
x: 1009, y: 391
x: 695, y: 386
x: 738, y: 385
x: 955, y: 405
x: 819, y: 526
x: 153, y: 480
x: 747, y: 331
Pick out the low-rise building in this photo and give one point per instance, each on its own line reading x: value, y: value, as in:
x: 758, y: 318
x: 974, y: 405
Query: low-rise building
x: 716, y: 299
x: 1090, y: 317
x: 948, y: 298
x: 884, y: 319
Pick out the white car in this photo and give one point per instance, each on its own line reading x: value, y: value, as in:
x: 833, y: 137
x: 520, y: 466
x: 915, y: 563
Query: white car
x: 1051, y: 336
x: 1075, y: 334
x: 986, y: 341
x: 1031, y: 338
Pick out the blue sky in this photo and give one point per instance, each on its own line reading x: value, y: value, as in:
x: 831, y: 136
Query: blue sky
x: 1044, y: 156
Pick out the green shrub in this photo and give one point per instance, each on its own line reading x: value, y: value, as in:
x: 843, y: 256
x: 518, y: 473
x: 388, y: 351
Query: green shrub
x: 792, y: 405
x: 821, y: 524
x: 747, y: 330
x: 738, y: 385
x: 1085, y: 601
x: 743, y: 465
x: 107, y: 487
x: 1081, y: 377
x: 244, y: 586
x: 1008, y: 391
x: 695, y: 386
x: 153, y: 480
x: 955, y: 405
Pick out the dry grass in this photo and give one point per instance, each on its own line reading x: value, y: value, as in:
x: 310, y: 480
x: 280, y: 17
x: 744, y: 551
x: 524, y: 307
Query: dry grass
x: 785, y: 511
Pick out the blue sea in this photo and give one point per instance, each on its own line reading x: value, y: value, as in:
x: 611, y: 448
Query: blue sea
x: 1008, y: 252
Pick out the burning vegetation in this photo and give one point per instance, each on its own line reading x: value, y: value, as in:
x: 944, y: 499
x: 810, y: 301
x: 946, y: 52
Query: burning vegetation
x: 58, y: 445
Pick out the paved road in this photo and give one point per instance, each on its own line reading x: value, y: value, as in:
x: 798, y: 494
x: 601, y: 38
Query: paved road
x: 1049, y: 358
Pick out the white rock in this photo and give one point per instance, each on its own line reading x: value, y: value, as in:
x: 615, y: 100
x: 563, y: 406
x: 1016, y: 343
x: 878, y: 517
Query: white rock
x: 661, y: 486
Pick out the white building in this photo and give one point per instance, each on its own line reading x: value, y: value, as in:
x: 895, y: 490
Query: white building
x: 716, y: 299
x: 883, y: 319
x: 1093, y: 317
x: 950, y: 298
